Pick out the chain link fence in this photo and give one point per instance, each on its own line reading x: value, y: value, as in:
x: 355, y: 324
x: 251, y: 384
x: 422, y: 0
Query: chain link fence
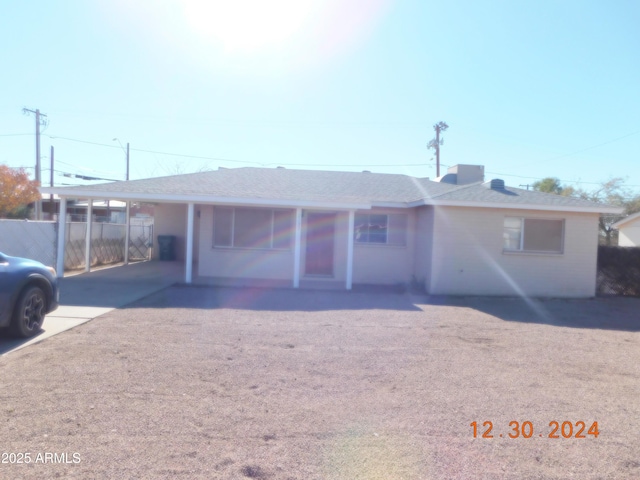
x: 38, y: 240
x: 618, y: 271
x: 107, y: 244
x: 25, y: 238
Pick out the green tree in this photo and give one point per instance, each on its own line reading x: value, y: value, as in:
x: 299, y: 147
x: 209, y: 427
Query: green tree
x: 610, y: 192
x: 553, y: 185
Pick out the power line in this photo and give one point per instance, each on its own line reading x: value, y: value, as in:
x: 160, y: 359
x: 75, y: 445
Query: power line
x: 87, y: 169
x: 55, y: 137
x: 219, y: 159
x: 592, y: 147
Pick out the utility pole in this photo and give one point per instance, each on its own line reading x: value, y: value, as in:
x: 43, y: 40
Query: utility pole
x: 436, y: 142
x: 39, y: 122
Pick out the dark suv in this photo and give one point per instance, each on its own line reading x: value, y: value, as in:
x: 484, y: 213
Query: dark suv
x: 28, y: 291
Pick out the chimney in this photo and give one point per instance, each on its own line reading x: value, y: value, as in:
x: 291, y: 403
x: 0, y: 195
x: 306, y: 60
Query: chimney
x: 467, y: 173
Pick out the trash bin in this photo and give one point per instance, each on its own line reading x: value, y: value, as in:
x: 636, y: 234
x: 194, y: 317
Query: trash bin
x: 167, y: 247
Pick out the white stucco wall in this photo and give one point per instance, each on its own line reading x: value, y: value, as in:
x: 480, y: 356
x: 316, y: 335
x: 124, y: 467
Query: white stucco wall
x: 468, y: 256
x: 629, y: 234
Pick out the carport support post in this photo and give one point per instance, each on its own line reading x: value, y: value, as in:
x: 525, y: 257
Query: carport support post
x: 350, y: 235
x: 87, y: 241
x: 62, y: 227
x: 189, y: 260
x: 127, y: 229
x: 296, y: 249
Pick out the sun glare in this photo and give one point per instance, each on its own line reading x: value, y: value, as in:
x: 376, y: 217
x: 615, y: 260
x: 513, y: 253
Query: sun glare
x: 247, y: 25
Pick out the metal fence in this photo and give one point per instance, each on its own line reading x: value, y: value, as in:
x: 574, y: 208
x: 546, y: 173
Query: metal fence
x: 140, y: 241
x: 107, y: 244
x: 24, y: 238
x: 39, y: 240
x: 618, y: 271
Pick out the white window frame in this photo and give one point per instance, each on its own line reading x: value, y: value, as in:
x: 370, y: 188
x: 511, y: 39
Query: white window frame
x: 386, y: 243
x: 233, y: 229
x: 523, y: 221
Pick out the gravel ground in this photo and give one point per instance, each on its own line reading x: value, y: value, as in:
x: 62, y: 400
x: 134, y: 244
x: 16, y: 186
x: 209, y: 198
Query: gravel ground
x: 202, y: 383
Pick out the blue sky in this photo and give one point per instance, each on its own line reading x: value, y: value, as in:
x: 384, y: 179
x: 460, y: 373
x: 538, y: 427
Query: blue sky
x: 529, y: 89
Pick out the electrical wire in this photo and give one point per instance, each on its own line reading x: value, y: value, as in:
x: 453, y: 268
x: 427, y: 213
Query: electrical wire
x: 592, y: 147
x: 219, y: 159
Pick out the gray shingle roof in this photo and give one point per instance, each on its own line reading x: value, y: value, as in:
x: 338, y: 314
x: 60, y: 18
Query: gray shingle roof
x: 278, y: 184
x: 479, y: 193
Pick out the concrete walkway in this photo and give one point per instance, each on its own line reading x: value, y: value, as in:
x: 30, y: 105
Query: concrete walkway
x: 86, y: 296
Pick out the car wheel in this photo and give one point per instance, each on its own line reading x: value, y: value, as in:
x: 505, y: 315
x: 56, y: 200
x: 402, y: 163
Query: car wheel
x: 29, y: 312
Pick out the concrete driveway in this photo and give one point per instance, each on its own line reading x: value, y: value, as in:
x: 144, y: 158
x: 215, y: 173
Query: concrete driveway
x: 86, y: 296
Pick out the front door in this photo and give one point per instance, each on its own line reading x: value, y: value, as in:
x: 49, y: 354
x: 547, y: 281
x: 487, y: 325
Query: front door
x: 319, y: 253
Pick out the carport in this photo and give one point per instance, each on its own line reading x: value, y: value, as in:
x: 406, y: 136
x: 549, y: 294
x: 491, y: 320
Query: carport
x: 62, y: 220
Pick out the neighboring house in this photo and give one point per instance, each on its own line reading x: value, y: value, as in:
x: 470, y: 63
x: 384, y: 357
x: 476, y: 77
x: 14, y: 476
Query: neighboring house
x: 628, y: 231
x: 457, y: 236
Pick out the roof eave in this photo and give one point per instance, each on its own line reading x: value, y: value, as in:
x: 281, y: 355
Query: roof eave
x: 516, y: 206
x: 389, y: 204
x: 204, y: 200
x: 624, y: 221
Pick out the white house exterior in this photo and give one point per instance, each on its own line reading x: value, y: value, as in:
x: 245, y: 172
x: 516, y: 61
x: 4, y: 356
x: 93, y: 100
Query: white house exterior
x: 457, y: 236
x: 629, y: 231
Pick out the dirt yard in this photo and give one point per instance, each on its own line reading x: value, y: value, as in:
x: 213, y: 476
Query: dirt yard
x: 201, y: 383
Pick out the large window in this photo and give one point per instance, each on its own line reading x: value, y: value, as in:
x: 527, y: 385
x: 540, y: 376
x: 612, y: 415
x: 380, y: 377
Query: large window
x: 533, y: 235
x: 252, y: 227
x: 381, y: 229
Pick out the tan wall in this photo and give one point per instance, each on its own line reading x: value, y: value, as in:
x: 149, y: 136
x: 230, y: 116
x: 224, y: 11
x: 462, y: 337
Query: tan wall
x: 239, y: 262
x: 170, y: 219
x: 468, y: 256
x: 385, y: 264
x: 629, y: 234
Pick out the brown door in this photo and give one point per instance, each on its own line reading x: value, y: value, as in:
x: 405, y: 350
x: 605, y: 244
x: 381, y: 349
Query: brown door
x: 319, y: 254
